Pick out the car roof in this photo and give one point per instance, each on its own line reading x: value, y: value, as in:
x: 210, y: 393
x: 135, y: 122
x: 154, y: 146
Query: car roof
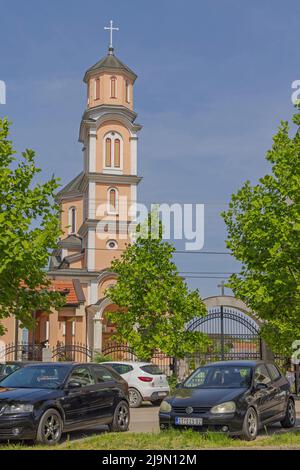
x: 20, y: 363
x: 56, y: 364
x: 131, y: 363
x: 244, y: 362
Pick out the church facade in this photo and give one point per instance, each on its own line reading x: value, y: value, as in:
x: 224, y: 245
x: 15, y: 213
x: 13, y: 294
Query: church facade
x: 97, y: 209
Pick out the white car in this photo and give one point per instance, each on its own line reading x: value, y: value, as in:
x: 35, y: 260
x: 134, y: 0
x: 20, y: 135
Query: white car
x: 146, y: 381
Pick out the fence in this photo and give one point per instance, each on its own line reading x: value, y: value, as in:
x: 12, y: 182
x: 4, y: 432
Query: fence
x: 77, y: 352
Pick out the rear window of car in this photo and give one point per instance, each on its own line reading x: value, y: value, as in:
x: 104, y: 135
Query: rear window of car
x: 274, y: 372
x: 121, y: 368
x: 152, y: 369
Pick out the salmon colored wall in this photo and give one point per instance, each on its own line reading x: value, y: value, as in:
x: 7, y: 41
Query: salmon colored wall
x: 113, y: 126
x: 77, y: 264
x: 65, y: 206
x: 80, y: 330
x: 105, y: 97
x: 103, y: 256
x: 104, y: 285
x: 9, y: 325
x: 124, y: 191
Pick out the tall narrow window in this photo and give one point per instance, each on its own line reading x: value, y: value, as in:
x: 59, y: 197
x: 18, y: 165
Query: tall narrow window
x: 72, y: 220
x: 112, y: 200
x: 97, y: 89
x: 113, y: 87
x: 113, y: 152
x: 117, y: 153
x: 108, y: 152
x: 127, y: 91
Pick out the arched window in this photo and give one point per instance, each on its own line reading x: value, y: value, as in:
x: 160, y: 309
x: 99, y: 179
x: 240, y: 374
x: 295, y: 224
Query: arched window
x: 112, y: 201
x: 117, y: 159
x: 72, y: 220
x: 97, y: 89
x: 113, y: 153
x: 127, y: 91
x: 113, y: 87
x: 108, y: 160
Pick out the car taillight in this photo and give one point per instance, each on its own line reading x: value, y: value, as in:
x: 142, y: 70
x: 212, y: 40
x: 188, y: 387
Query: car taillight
x: 145, y: 379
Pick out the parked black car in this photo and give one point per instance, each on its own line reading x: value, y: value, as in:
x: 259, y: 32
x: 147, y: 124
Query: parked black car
x: 41, y: 401
x: 234, y: 397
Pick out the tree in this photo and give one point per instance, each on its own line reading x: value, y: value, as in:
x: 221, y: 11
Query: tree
x: 29, y: 230
x: 263, y: 223
x: 155, y: 303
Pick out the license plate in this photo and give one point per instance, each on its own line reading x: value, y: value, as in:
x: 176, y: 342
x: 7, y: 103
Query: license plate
x: 188, y: 421
x: 162, y: 394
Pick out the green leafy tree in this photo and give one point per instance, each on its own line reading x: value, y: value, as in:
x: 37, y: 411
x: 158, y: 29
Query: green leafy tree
x: 29, y: 229
x: 155, y: 303
x: 263, y: 223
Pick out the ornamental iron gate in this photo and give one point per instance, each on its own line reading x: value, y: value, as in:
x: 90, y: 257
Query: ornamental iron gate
x: 122, y: 352
x: 76, y: 352
x: 23, y: 352
x: 233, y: 335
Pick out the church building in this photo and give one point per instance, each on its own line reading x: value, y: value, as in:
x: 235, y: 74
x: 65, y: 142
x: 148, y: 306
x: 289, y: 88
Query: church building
x: 97, y: 208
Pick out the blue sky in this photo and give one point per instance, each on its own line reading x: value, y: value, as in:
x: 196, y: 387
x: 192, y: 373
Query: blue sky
x: 214, y: 80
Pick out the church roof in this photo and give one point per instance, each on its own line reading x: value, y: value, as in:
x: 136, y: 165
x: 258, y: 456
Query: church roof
x: 71, y: 242
x: 110, y: 62
x: 73, y: 187
x: 71, y: 289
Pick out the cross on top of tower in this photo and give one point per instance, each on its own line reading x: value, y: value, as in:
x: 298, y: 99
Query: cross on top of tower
x: 111, y: 29
x: 222, y: 287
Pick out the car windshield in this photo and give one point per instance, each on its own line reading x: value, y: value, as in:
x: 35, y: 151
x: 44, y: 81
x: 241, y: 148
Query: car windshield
x: 47, y: 376
x: 6, y: 369
x: 220, y: 377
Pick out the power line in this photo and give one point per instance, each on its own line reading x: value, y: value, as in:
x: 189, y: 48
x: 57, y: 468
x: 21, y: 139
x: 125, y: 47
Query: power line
x: 138, y: 201
x: 205, y: 277
x: 192, y: 252
x: 206, y: 272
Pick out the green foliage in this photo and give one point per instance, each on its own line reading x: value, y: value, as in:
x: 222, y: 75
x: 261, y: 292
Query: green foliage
x: 29, y: 229
x: 154, y: 300
x: 263, y: 223
x: 172, y: 381
x: 101, y: 358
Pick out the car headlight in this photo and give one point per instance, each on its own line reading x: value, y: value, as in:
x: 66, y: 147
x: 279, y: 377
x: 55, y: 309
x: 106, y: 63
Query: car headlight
x: 165, y: 407
x: 18, y: 408
x: 227, y: 407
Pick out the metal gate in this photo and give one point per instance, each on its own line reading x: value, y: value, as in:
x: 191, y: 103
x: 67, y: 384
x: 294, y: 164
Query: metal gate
x: 77, y: 352
x: 123, y: 352
x: 233, y: 335
x: 23, y: 352
x: 118, y: 352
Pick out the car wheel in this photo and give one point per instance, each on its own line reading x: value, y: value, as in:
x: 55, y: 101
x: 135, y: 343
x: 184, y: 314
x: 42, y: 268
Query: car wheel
x: 250, y: 425
x: 289, y: 420
x: 50, y: 428
x: 121, y: 418
x: 156, y: 402
x: 135, y: 398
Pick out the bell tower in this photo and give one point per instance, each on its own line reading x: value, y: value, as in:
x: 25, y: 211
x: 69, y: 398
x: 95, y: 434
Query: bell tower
x: 108, y: 132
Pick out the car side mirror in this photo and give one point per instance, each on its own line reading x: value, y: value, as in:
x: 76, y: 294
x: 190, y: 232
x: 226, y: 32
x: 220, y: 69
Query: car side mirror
x: 260, y: 386
x: 73, y: 384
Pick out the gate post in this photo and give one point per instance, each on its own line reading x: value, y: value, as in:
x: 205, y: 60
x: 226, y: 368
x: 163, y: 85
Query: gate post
x: 266, y: 353
x: 222, y: 334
